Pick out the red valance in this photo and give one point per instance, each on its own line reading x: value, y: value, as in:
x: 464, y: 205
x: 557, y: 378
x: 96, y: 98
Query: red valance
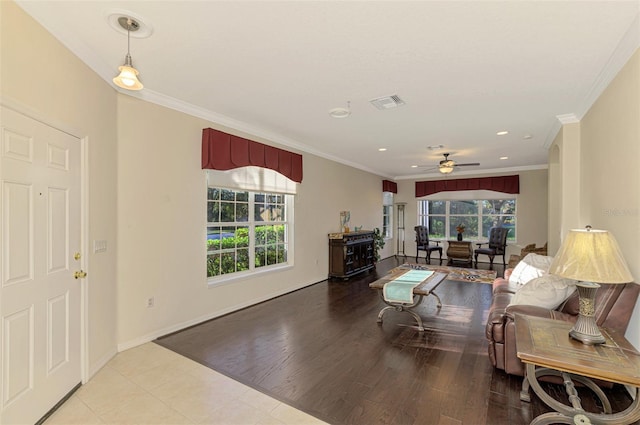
x: 389, y: 186
x: 505, y: 184
x: 222, y: 151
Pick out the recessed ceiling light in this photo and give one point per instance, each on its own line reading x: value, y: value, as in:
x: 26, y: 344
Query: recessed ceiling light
x: 502, y: 133
x: 504, y: 157
x: 382, y: 149
x: 527, y: 137
x: 434, y: 147
x: 414, y: 166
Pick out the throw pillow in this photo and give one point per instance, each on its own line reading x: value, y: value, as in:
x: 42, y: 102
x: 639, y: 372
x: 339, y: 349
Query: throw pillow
x: 530, y: 267
x: 548, y: 291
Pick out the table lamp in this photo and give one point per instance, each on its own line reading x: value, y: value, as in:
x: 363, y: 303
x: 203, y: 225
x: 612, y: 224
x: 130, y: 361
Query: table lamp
x: 589, y: 256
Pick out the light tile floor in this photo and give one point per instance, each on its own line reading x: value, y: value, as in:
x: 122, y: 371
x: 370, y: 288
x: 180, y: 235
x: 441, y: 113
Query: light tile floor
x: 152, y: 385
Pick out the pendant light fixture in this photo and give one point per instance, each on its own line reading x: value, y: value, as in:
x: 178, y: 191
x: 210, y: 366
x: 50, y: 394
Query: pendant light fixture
x: 128, y: 77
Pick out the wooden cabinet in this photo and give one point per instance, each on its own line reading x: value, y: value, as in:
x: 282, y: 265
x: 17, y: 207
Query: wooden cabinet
x: 350, y: 253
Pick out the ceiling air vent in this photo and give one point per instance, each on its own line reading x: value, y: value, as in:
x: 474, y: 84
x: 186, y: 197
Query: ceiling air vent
x: 387, y: 102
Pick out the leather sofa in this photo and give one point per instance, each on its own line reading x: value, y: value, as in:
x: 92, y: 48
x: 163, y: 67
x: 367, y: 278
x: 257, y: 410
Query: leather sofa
x: 614, y: 305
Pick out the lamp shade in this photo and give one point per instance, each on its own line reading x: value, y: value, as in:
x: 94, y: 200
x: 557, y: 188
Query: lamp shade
x: 591, y: 255
x: 128, y: 78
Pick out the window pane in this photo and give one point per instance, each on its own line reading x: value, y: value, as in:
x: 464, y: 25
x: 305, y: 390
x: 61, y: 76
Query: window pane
x: 272, y: 255
x: 227, y: 195
x: 436, y: 227
x: 228, y: 237
x: 228, y: 262
x: 213, y: 265
x: 260, y: 213
x: 242, y: 196
x: 470, y: 224
x: 213, y: 238
x: 437, y: 207
x: 213, y: 211
x: 260, y: 236
x: 227, y: 212
x: 242, y: 259
x: 260, y: 255
x: 463, y: 207
x: 259, y: 197
x: 242, y: 237
x: 281, y: 232
x: 242, y: 212
x: 276, y: 212
x: 213, y: 194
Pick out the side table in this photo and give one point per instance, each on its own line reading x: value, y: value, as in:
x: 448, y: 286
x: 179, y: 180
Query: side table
x: 459, y: 252
x: 546, y: 349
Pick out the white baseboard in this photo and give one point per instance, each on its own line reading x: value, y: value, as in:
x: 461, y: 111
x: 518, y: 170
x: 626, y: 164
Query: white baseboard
x: 183, y: 325
x: 95, y: 368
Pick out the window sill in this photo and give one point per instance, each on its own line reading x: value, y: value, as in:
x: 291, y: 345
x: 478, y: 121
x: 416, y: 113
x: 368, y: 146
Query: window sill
x: 228, y: 279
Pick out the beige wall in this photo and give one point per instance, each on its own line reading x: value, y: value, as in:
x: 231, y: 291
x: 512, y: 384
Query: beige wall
x: 162, y: 222
x: 601, y: 157
x: 531, y: 211
x: 610, y: 168
x: 41, y: 77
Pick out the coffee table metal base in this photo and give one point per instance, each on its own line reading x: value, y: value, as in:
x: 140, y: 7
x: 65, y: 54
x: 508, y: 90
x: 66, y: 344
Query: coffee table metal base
x: 417, y: 299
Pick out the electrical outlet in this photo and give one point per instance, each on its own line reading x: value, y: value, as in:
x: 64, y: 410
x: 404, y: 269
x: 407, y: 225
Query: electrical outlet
x: 150, y: 302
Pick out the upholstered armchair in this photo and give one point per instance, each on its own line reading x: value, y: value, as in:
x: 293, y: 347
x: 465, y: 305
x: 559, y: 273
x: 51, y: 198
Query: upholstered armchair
x: 497, y: 245
x: 423, y: 243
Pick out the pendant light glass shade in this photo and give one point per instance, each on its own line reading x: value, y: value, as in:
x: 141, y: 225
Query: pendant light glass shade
x: 128, y: 77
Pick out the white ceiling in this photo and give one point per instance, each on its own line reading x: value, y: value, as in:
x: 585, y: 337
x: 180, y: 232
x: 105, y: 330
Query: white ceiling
x: 466, y: 69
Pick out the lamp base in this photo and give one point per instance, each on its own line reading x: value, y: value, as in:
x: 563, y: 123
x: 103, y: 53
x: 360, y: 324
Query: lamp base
x: 585, y: 329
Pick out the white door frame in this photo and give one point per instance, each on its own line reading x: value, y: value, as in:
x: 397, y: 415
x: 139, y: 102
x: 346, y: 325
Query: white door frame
x: 84, y: 220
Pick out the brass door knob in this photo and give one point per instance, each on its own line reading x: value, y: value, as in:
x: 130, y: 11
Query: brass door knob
x: 80, y: 274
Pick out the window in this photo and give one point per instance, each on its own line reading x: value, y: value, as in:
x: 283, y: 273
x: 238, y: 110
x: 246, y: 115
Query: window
x: 246, y: 230
x: 478, y: 216
x: 387, y: 215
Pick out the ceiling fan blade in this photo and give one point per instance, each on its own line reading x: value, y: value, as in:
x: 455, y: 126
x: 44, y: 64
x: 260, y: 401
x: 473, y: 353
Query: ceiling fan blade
x: 467, y: 164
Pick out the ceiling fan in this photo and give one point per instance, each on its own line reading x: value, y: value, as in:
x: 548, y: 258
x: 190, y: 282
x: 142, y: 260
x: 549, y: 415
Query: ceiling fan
x: 447, y: 165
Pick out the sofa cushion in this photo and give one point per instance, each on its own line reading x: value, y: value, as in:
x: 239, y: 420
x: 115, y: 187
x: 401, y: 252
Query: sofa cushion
x: 531, y: 266
x: 548, y: 291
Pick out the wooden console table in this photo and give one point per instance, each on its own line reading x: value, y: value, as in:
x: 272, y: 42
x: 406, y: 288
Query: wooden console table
x: 459, y: 252
x: 546, y: 349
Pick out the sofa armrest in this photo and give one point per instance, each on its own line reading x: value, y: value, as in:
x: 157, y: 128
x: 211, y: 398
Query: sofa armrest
x: 532, y: 310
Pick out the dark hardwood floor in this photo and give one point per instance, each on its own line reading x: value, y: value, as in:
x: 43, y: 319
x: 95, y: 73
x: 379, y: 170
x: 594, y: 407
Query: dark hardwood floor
x: 320, y: 350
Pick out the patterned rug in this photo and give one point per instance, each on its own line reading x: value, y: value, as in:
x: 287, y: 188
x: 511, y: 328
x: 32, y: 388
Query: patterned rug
x: 458, y: 273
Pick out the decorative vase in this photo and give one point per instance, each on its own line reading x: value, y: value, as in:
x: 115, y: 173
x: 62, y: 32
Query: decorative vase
x: 459, y: 236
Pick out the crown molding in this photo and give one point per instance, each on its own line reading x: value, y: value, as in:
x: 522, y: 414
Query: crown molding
x: 233, y: 124
x: 627, y: 46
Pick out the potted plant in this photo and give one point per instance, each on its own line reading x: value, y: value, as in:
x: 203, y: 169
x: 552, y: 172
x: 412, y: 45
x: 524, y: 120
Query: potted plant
x: 378, y: 244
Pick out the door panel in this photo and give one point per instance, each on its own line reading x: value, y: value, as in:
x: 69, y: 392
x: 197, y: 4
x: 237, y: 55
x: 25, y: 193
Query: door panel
x: 39, y: 297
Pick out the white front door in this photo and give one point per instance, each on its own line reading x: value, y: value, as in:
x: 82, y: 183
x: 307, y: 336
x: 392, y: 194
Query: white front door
x: 39, y: 296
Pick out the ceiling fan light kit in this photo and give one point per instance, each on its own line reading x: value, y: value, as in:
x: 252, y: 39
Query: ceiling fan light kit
x: 446, y: 166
